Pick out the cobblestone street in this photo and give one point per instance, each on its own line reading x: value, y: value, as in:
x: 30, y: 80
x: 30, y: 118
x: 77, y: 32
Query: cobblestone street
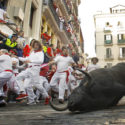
x: 44, y: 115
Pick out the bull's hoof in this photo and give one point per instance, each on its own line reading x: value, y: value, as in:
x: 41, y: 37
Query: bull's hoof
x: 61, y: 101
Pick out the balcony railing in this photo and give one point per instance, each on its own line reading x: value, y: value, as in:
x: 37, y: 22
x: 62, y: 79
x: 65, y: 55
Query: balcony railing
x: 122, y: 57
x: 109, y: 57
x: 51, y: 6
x: 54, y: 12
x: 121, y: 41
x: 108, y: 42
x: 108, y: 29
x: 67, y: 33
x: 67, y: 8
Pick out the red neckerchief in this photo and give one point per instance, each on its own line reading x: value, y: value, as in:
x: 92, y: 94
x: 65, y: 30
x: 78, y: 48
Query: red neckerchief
x: 7, y: 54
x: 37, y: 51
x: 13, y: 52
x: 64, y: 55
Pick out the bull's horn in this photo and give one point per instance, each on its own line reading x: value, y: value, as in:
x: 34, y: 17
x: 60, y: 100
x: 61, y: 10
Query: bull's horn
x: 87, y: 74
x: 57, y: 108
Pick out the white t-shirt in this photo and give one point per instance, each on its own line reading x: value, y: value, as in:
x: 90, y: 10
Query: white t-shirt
x: 5, y: 63
x: 2, y: 12
x: 35, y: 58
x: 63, y: 63
x: 92, y: 67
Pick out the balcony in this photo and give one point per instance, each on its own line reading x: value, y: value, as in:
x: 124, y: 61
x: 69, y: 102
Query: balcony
x: 108, y: 29
x: 109, y: 57
x: 54, y: 12
x: 121, y: 57
x: 108, y: 42
x: 121, y: 42
x: 66, y: 32
x: 54, y: 21
x: 66, y: 6
x: 50, y: 13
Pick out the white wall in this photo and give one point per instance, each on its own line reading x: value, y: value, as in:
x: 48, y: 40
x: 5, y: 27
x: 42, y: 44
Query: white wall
x: 100, y: 24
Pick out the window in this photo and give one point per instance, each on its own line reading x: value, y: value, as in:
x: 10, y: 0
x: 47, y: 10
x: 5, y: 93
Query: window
x: 122, y: 52
x: 3, y: 4
x: 31, y: 15
x: 108, y: 39
x: 108, y: 52
x: 121, y: 38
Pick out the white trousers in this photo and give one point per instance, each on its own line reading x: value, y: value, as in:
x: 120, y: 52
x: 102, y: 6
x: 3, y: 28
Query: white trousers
x: 4, y: 78
x: 29, y: 79
x: 12, y: 84
x: 39, y: 87
x: 28, y: 76
x: 58, y: 82
x: 46, y: 88
x: 45, y: 83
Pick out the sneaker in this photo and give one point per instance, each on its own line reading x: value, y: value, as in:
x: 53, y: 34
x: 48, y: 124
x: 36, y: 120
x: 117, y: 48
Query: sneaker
x: 3, y: 103
x: 37, y: 101
x: 21, y: 96
x: 31, y: 103
x: 47, y: 100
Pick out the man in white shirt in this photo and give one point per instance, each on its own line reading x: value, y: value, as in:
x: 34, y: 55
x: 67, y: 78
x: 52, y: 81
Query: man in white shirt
x: 60, y: 78
x: 5, y: 71
x: 94, y: 64
x: 31, y: 75
x: 5, y: 67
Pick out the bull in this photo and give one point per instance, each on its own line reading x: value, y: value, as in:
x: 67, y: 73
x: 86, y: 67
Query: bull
x: 100, y: 89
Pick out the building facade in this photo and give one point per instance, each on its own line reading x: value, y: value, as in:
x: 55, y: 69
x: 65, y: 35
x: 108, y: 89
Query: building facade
x: 57, y: 19
x: 60, y: 22
x: 25, y: 14
x: 110, y: 36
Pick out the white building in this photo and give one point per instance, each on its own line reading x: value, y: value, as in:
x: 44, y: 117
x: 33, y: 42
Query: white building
x: 110, y: 36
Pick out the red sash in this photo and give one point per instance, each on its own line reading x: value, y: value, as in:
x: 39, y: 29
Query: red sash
x: 67, y: 75
x: 8, y: 70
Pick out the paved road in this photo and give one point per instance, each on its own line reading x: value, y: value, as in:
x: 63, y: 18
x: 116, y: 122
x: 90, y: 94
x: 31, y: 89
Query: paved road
x: 20, y: 114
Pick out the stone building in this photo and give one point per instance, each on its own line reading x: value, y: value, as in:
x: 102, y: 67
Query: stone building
x: 25, y: 14
x: 110, y: 36
x: 60, y: 21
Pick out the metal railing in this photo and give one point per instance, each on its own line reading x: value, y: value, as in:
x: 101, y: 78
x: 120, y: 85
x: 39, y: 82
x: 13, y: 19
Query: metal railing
x: 67, y: 33
x: 122, y: 56
x: 108, y: 42
x: 66, y: 6
x: 110, y: 57
x: 121, y: 41
x: 51, y: 6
